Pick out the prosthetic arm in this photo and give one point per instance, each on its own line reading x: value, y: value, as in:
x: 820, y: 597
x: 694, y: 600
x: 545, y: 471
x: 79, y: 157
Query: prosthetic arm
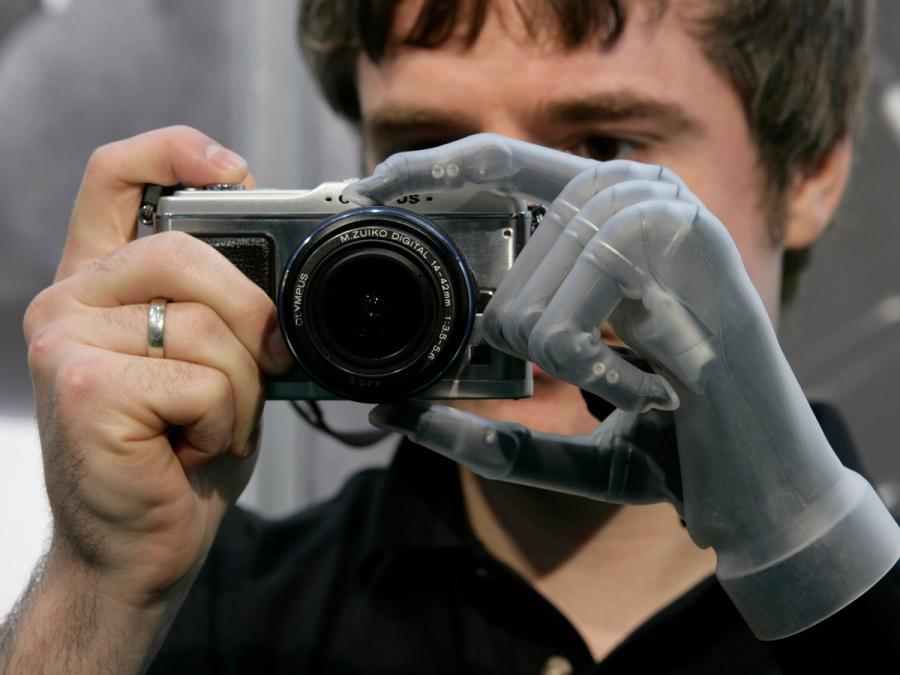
x: 797, y: 535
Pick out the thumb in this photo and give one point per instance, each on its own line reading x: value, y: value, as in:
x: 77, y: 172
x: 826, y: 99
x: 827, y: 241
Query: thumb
x: 105, y: 213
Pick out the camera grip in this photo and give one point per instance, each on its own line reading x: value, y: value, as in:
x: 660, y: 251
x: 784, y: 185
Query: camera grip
x: 251, y: 255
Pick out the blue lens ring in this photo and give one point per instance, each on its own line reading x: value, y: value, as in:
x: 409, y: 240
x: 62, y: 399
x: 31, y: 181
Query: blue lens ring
x: 450, y: 255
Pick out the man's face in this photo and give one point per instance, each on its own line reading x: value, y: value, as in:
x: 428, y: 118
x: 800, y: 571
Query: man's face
x: 651, y: 97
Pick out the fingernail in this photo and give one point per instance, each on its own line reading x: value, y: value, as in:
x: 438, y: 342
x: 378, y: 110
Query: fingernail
x: 278, y: 351
x: 225, y: 158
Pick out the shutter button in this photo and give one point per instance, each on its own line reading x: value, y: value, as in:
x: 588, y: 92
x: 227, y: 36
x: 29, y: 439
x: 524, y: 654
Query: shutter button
x: 557, y: 665
x: 224, y: 187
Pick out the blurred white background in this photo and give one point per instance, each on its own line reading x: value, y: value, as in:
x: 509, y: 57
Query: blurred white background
x: 75, y: 74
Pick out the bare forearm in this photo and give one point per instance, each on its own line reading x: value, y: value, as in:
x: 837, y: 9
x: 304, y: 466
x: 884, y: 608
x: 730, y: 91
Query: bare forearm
x: 66, y: 623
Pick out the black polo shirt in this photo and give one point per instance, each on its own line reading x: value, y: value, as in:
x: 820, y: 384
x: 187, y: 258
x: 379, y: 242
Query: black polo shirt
x: 388, y: 577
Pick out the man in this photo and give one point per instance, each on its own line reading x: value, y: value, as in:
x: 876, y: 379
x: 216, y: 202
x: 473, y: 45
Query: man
x: 413, y: 571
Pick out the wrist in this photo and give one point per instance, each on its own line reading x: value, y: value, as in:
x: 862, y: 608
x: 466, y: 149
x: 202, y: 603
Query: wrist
x: 128, y: 587
x: 102, y: 616
x: 75, y: 619
x: 813, y: 566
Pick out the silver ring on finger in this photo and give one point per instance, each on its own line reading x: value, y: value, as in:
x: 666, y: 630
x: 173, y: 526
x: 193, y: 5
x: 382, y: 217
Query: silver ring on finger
x: 156, y: 325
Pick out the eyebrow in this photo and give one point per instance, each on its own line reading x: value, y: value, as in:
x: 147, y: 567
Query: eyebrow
x: 669, y: 118
x: 393, y: 120
x: 621, y: 106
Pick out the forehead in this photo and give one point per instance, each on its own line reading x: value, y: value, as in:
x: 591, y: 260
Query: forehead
x: 517, y: 68
x: 556, y: 23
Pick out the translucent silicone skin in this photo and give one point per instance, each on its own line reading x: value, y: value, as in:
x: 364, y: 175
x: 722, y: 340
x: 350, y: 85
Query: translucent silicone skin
x: 797, y: 535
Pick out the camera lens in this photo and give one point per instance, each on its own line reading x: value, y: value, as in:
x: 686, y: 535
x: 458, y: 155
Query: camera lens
x: 376, y: 304
x: 373, y: 307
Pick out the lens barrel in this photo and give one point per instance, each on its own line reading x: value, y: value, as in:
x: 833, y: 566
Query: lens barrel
x: 377, y: 304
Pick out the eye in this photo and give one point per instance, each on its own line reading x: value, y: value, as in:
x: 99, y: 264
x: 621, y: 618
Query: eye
x: 603, y: 148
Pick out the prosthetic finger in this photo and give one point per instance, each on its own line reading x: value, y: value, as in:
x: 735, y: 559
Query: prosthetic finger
x: 566, y: 340
x: 484, y: 161
x: 619, y: 272
x: 523, y: 313
x: 606, y: 465
x: 661, y: 254
x: 561, y: 211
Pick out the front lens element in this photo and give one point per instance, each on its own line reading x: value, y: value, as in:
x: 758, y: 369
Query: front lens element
x: 376, y: 306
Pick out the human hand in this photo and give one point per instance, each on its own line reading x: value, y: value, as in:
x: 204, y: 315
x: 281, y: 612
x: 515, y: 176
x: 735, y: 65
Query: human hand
x: 629, y: 244
x: 142, y: 456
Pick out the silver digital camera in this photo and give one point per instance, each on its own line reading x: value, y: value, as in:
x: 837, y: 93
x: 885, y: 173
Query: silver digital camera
x: 375, y: 303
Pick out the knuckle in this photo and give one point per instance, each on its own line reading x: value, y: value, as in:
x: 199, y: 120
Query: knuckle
x: 669, y: 176
x: 249, y: 363
x: 551, y: 346
x: 487, y: 139
x: 625, y: 170
x: 78, y: 379
x: 219, y: 388
x: 184, y: 254
x: 261, y: 311
x: 183, y: 131
x: 36, y: 314
x: 178, y: 253
x: 178, y: 137
x: 520, y: 321
x: 590, y: 177
x: 103, y: 160
x: 514, y: 329
x: 492, y: 159
x: 45, y: 345
x: 177, y: 247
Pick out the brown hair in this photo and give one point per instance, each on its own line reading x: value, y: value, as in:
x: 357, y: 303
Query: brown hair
x: 799, y: 66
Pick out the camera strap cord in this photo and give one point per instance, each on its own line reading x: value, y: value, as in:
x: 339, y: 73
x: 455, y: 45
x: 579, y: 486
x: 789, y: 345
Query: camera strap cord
x: 312, y: 413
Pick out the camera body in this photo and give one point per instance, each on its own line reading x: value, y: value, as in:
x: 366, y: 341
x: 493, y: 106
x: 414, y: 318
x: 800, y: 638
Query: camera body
x: 375, y: 303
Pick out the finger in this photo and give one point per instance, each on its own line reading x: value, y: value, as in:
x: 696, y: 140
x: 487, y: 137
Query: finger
x: 181, y: 268
x: 566, y: 339
x: 516, y: 322
x: 604, y: 465
x: 591, y: 181
x: 194, y: 333
x: 483, y: 161
x: 105, y: 211
x: 132, y: 403
x: 662, y: 239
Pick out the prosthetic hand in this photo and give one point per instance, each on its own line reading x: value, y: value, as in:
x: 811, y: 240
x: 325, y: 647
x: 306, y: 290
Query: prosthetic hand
x: 797, y: 535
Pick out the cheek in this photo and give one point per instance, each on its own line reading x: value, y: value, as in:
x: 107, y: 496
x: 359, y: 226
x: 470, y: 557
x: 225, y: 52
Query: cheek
x: 727, y: 181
